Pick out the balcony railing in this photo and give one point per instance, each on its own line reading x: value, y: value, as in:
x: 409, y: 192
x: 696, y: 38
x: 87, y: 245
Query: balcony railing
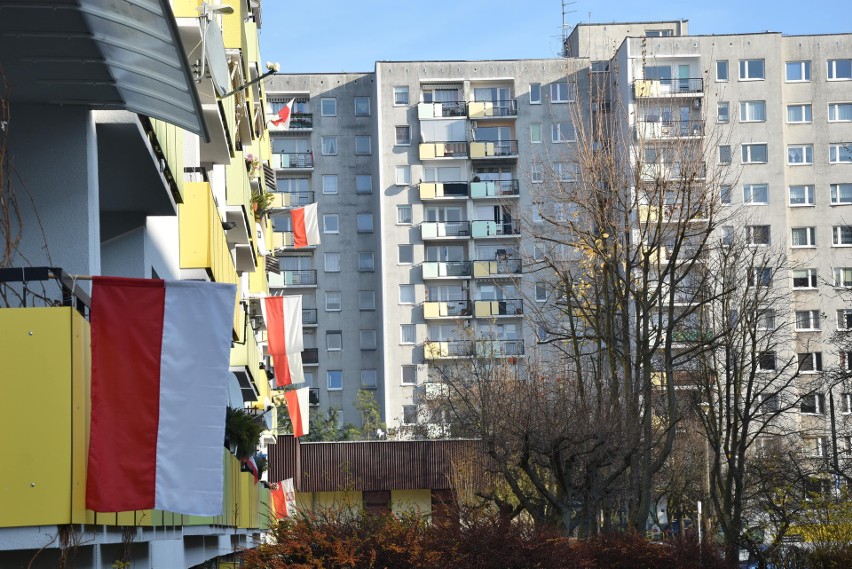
x: 446, y: 309
x: 299, y: 199
x: 491, y: 308
x: 469, y: 348
x: 482, y: 228
x: 487, y: 109
x: 674, y: 171
x: 495, y: 189
x: 654, y: 130
x: 295, y: 160
x: 309, y: 317
x: 302, y: 121
x: 446, y: 269
x: 650, y: 88
x: 293, y: 278
x: 497, y: 267
x: 494, y: 149
x: 444, y: 229
x: 440, y: 150
x: 443, y: 190
x: 442, y: 109
x: 310, y: 356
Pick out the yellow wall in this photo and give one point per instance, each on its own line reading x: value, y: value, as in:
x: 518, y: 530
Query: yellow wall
x: 417, y: 501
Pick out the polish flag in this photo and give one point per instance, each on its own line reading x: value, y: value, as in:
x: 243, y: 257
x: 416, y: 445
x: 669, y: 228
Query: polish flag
x: 288, y: 369
x: 250, y: 465
x: 283, y: 499
x: 284, y: 116
x: 160, y: 354
x: 298, y: 406
x: 285, y: 339
x: 305, y: 226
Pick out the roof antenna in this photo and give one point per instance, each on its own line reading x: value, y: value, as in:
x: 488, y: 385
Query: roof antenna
x: 565, y: 26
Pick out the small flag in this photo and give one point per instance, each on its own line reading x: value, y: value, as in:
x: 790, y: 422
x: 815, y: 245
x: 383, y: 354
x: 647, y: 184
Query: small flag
x: 284, y: 116
x: 305, y: 226
x: 160, y: 349
x: 283, y: 499
x: 298, y: 407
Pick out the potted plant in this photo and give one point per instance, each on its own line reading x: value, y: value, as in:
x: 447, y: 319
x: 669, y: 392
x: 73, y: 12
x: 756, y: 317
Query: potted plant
x: 242, y: 432
x: 253, y: 166
x: 260, y: 202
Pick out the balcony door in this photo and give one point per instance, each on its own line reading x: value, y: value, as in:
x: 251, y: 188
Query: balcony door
x: 443, y: 214
x: 444, y: 253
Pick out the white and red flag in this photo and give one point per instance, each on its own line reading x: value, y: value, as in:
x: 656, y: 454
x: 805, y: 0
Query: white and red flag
x: 299, y: 409
x: 284, y: 116
x: 305, y: 226
x: 283, y: 499
x: 285, y: 339
x: 160, y: 354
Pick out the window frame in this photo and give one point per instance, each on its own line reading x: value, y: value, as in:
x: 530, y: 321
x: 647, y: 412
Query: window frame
x: 814, y: 401
x: 837, y: 236
x: 749, y: 108
x: 401, y: 219
x: 746, y: 152
x: 406, y: 287
x: 831, y: 70
x: 327, y: 217
x: 398, y: 92
x: 330, y: 101
x: 370, y: 296
x: 723, y: 74
x: 368, y: 225
x: 535, y: 87
x: 366, y: 267
x: 405, y: 128
x: 727, y: 114
x: 535, y: 126
x: 844, y: 315
x: 809, y: 195
x: 842, y: 273
x: 335, y: 345
x: 812, y: 319
x: 328, y: 145
x: 372, y: 338
x: 399, y: 249
x: 725, y: 154
x: 359, y: 140
x: 745, y: 71
x: 327, y: 190
x: 835, y: 196
x: 807, y: 152
x: 327, y: 256
x: 403, y: 328
x: 402, y: 379
x: 810, y: 278
x: 402, y: 172
x: 839, y: 150
x: 338, y: 385
x: 329, y: 302
x: 361, y: 98
x: 806, y: 110
x: 766, y: 357
x: 836, y: 107
x: 558, y: 135
x: 375, y: 380
x: 556, y: 92
x: 749, y: 194
x: 804, y: 69
x: 361, y: 191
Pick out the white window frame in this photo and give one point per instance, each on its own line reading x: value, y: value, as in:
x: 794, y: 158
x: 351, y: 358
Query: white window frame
x: 535, y: 100
x: 407, y: 418
x: 748, y: 110
x: 806, y: 321
x: 725, y: 117
x: 535, y: 133
x: 338, y: 373
x: 831, y: 70
x: 842, y: 277
x: 843, y: 315
x: 808, y: 189
x: 402, y: 379
x: 328, y: 145
x: 749, y: 191
x: 402, y: 175
x: 810, y: 277
x: 328, y: 107
x: 836, y: 196
x: 834, y: 111
x: 537, y: 173
x: 837, y: 236
x: 407, y: 247
x: 725, y: 154
x: 401, y: 217
x: 368, y: 339
x: 726, y: 194
x: 759, y: 361
x: 400, y: 96
x: 541, y: 292
x: 558, y: 133
x: 403, y: 296
x: 815, y: 400
x: 359, y: 145
x: 765, y: 319
x: 405, y: 331
x: 360, y: 98
x: 333, y: 301
x: 406, y: 129
x: 746, y: 73
x: 366, y: 300
x: 806, y: 151
x: 750, y: 235
x: 331, y: 262
x: 804, y: 109
x: 746, y: 152
x: 329, y: 184
x: 804, y: 67
x: 334, y: 341
x: 556, y: 92
x: 838, y: 151
x: 330, y: 219
x: 366, y: 267
x: 723, y: 71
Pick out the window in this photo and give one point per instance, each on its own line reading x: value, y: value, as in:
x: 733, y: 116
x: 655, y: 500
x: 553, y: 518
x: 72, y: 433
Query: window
x: 405, y: 254
x: 561, y: 132
x: 754, y: 153
x: 332, y: 262
x: 406, y: 294
x: 535, y: 133
x: 334, y: 379
x: 366, y: 300
x: 362, y: 106
x: 766, y: 361
x: 724, y: 154
x: 369, y: 378
x: 329, y: 184
x: 330, y: 223
x: 838, y: 153
x: 328, y: 107
x: 332, y: 301
x: 839, y: 112
x: 363, y: 184
x: 768, y: 403
x: 363, y: 144
x: 756, y: 194
x: 403, y: 135
x: 751, y: 69
x: 843, y: 277
x: 403, y: 214
x: 723, y: 112
x: 722, y: 70
x: 804, y: 236
x: 815, y: 446
x: 800, y: 154
x: 844, y: 319
x: 537, y: 173
x: 560, y: 92
x: 725, y: 194
x: 812, y: 403
x: 540, y: 292
x: 408, y: 334
x: 760, y: 277
x: 334, y: 340
x: 565, y: 172
x: 807, y: 320
x: 658, y: 33
x: 727, y: 237
x: 752, y: 111
x: 409, y: 375
x: 366, y: 261
x: 535, y: 93
x: 839, y: 69
x: 805, y: 278
x: 329, y: 145
x: 766, y: 319
x: 364, y: 222
x: 798, y: 71
x: 799, y: 113
x: 367, y: 340
x: 409, y: 414
x: 400, y: 95
x: 841, y: 235
x: 846, y: 402
x: 801, y: 195
x: 841, y: 194
x: 403, y: 175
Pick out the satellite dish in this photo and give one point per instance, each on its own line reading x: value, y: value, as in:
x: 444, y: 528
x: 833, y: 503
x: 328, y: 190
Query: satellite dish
x: 214, y: 48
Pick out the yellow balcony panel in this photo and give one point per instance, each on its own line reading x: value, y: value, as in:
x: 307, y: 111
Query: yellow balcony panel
x: 169, y: 141
x: 481, y: 149
x: 480, y: 109
x: 428, y: 190
x: 239, y: 187
x: 485, y: 309
x: 185, y: 8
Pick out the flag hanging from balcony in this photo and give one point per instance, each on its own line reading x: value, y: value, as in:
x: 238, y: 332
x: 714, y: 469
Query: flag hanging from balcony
x: 284, y: 116
x: 283, y: 499
x: 160, y: 354
x: 305, y: 226
x: 285, y: 340
x: 250, y: 465
x: 298, y: 408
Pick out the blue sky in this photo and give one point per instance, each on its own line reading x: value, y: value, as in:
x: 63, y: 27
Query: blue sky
x: 348, y: 35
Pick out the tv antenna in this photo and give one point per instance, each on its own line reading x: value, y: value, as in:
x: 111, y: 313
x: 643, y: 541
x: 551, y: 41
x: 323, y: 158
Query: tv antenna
x: 565, y: 25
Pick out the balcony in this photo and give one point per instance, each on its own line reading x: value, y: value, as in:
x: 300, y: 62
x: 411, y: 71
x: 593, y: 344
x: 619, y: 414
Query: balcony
x: 284, y: 240
x: 310, y: 356
x: 497, y: 268
x: 287, y: 200
x: 664, y: 88
x: 446, y: 270
x: 492, y: 109
x: 672, y: 213
x: 309, y: 317
x: 495, y: 189
x: 447, y: 309
x: 301, y: 121
x: 293, y: 161
x: 449, y: 349
x: 293, y: 279
x: 483, y: 229
x: 443, y: 190
x: 440, y: 110
x: 443, y: 150
x: 669, y: 130
x: 494, y: 149
x: 674, y: 171
x: 444, y: 230
x: 497, y: 308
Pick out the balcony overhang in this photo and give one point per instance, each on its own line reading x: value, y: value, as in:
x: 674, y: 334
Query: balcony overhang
x: 102, y: 54
x: 244, y: 382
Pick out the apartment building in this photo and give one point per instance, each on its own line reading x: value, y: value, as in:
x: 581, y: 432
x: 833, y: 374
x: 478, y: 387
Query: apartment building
x: 130, y: 135
x: 426, y: 173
